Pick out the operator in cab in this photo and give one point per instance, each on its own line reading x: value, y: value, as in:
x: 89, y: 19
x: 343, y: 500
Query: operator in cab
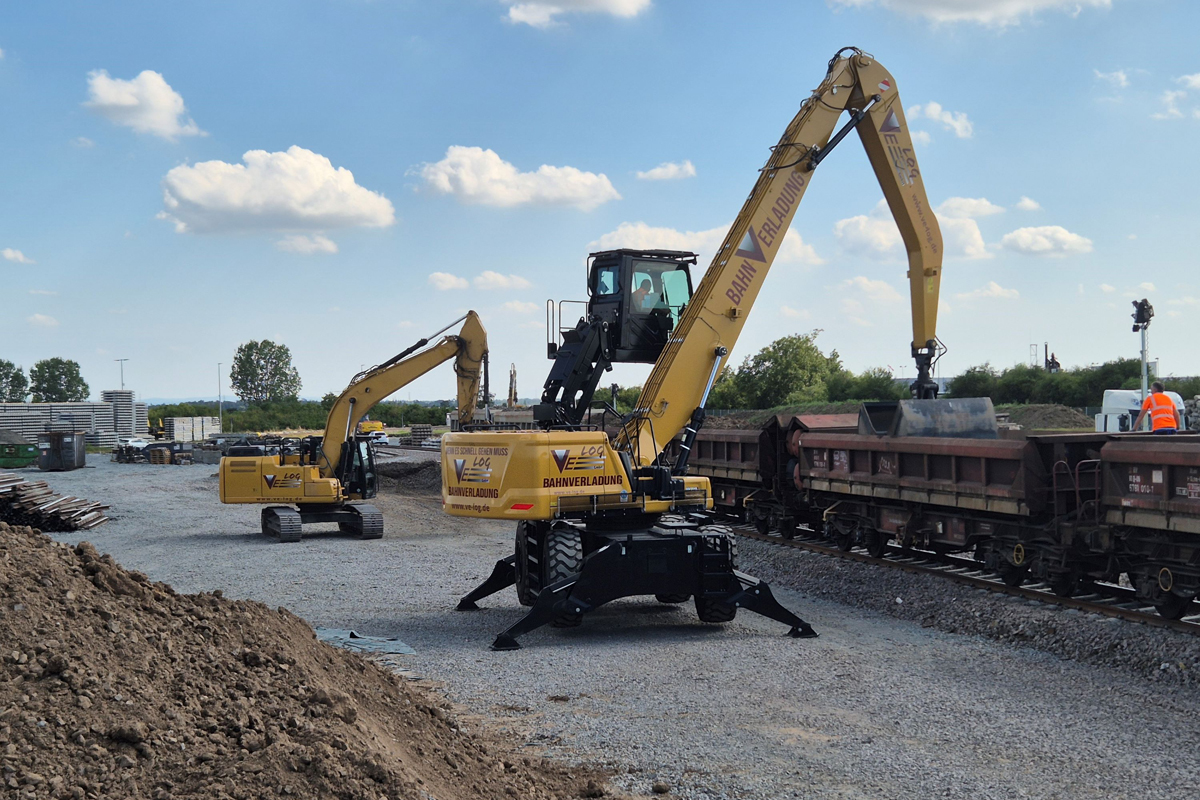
x: 1164, y: 417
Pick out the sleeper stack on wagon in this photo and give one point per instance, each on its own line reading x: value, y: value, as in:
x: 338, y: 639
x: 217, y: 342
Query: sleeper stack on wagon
x: 1066, y: 509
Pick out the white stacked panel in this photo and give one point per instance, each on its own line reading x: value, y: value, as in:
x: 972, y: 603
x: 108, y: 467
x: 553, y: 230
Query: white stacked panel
x: 191, y: 429
x: 141, y: 420
x: 123, y: 417
x: 30, y: 419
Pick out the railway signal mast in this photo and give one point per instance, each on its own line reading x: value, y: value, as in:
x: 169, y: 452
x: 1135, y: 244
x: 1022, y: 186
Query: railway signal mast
x: 1143, y: 312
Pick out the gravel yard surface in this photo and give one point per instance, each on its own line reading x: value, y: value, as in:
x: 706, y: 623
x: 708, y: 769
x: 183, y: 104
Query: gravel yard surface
x: 878, y: 706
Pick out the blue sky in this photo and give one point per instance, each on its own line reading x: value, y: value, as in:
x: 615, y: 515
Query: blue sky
x: 346, y: 176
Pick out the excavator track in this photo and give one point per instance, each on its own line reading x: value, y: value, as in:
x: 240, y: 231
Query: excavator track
x: 281, y: 522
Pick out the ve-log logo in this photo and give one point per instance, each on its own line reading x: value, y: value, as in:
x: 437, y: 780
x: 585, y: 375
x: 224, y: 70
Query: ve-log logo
x: 478, y: 471
x: 286, y: 480
x: 588, y: 458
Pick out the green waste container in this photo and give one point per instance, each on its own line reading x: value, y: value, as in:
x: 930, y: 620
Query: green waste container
x: 13, y: 456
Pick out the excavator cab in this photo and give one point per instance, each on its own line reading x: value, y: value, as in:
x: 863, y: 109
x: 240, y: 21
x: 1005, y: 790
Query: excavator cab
x: 640, y: 295
x: 636, y: 298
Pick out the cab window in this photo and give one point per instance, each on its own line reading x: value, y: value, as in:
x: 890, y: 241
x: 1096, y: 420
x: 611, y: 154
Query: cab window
x: 606, y: 280
x: 659, y: 287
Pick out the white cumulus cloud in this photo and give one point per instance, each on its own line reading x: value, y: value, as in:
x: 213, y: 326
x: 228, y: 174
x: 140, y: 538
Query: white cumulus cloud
x: 669, y: 171
x: 921, y: 137
x: 1189, y: 81
x: 792, y: 250
x: 876, y: 234
x: 1116, y: 79
x: 967, y: 208
x: 82, y: 142
x: 874, y: 290
x: 1046, y: 240
x: 1170, y: 101
x: 1147, y: 287
x: 955, y: 121
x: 794, y: 313
x: 494, y: 280
x: 146, y: 103
x: 545, y: 13
x: 16, y: 255
x: 42, y: 321
x: 293, y: 190
x: 998, y: 13
x: 1104, y: 287
x: 46, y: 292
x: 521, y: 307
x: 307, y: 245
x: 990, y: 290
x: 477, y: 176
x: 1027, y: 204
x: 445, y: 281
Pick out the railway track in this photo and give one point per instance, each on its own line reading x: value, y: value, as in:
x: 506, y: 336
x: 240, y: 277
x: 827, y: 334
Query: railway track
x: 1105, y: 599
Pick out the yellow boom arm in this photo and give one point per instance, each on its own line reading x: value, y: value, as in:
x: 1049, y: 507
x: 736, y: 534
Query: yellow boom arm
x: 702, y: 341
x: 368, y: 388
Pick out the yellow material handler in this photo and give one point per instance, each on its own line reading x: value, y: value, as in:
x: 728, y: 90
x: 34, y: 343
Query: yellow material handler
x: 599, y: 519
x: 326, y: 478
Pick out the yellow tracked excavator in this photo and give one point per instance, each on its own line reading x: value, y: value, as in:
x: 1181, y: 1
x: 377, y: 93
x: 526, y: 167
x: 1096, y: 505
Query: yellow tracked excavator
x: 327, y: 478
x: 598, y: 518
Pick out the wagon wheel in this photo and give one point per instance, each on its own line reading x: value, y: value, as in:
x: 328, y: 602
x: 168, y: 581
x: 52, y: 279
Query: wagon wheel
x: 876, y: 544
x: 1013, y: 575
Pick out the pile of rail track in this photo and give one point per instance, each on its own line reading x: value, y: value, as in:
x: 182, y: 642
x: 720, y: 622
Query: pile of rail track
x: 34, y: 503
x: 1103, y: 598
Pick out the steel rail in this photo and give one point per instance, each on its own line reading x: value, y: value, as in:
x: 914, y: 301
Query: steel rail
x: 1114, y: 601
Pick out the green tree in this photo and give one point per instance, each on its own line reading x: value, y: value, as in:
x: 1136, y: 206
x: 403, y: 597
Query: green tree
x: 57, y: 380
x: 978, y: 381
x: 1017, y: 384
x: 876, y: 383
x: 791, y: 369
x: 14, y: 386
x: 262, y: 372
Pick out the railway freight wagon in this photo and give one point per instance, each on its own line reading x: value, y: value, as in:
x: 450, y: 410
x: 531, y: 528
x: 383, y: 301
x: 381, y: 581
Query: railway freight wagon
x: 1065, y: 509
x: 750, y: 470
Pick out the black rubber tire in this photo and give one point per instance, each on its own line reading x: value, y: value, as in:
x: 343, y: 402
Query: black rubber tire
x: 563, y: 558
x: 844, y: 541
x: 711, y: 611
x: 762, y: 525
x: 526, y: 593
x: 1171, y: 606
x: 876, y: 544
x: 672, y: 599
x: 708, y: 609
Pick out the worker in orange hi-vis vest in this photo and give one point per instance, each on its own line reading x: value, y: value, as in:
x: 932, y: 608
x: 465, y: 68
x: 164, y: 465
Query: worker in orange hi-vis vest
x: 1164, y: 417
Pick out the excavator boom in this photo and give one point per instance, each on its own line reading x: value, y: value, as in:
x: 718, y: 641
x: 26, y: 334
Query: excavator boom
x: 708, y: 330
x: 368, y: 388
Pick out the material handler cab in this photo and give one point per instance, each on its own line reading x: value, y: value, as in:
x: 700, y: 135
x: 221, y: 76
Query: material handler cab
x: 635, y: 300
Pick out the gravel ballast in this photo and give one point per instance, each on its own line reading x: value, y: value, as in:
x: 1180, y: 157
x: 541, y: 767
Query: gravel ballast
x: 885, y: 703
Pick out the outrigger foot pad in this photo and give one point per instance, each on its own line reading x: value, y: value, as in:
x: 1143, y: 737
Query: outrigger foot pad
x: 504, y: 574
x: 505, y: 642
x: 804, y: 631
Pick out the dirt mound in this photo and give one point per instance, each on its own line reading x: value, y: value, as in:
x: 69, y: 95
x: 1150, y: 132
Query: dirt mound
x: 1047, y: 417
x: 756, y: 419
x: 114, y: 686
x: 422, y: 477
x: 11, y: 437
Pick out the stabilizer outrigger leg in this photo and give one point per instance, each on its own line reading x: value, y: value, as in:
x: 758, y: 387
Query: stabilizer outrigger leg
x: 630, y: 567
x: 756, y: 596
x: 504, y: 574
